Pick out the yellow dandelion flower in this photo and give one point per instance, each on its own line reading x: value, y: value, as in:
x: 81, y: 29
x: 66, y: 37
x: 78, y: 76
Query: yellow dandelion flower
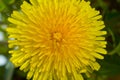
x: 56, y: 39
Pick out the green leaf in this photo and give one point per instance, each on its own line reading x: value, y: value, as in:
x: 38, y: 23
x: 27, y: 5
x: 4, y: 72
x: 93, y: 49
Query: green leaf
x: 9, y: 1
x: 9, y: 71
x: 2, y: 70
x: 2, y: 6
x: 110, y: 65
x: 115, y: 50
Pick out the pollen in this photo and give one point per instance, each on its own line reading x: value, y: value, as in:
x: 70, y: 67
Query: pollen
x: 57, y: 36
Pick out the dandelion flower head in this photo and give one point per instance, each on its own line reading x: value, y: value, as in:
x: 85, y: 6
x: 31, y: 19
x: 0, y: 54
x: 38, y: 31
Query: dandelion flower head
x: 56, y: 39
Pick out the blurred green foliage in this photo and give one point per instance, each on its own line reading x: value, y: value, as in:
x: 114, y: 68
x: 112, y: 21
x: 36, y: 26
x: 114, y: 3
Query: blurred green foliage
x: 110, y: 66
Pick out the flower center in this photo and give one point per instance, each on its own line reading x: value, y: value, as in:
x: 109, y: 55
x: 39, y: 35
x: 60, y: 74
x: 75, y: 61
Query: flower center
x: 57, y: 36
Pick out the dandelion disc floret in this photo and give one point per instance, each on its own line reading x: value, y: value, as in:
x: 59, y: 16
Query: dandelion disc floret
x: 56, y: 39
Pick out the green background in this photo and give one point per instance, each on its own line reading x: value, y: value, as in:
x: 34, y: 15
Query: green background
x: 110, y: 66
